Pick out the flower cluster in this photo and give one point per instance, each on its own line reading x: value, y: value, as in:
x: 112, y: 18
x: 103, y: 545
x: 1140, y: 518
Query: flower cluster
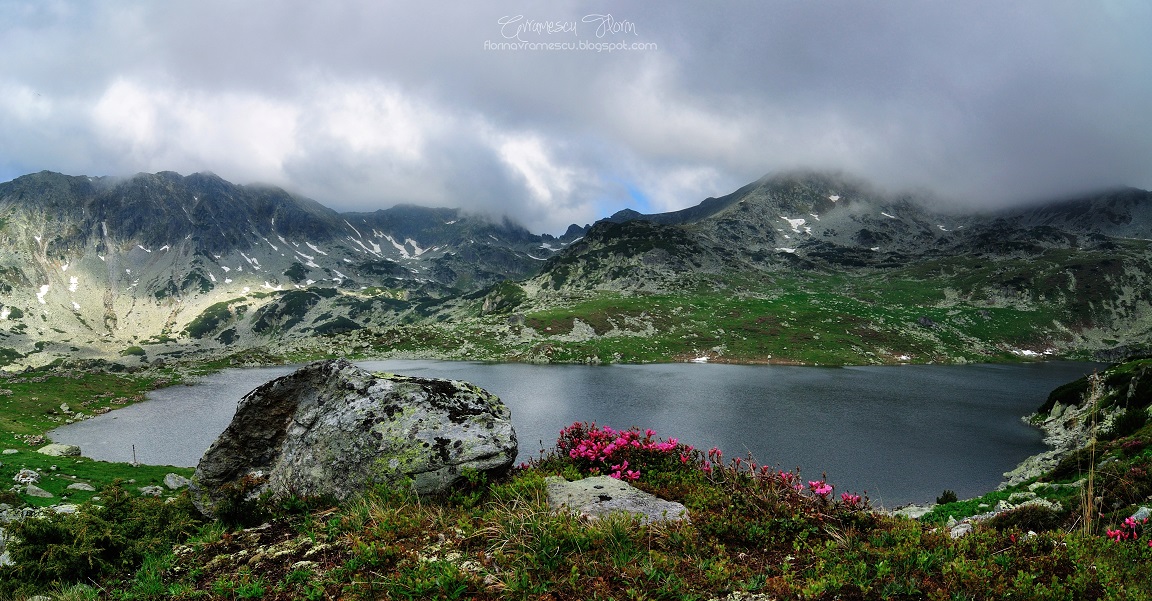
x: 1128, y: 531
x: 608, y: 451
x: 820, y: 488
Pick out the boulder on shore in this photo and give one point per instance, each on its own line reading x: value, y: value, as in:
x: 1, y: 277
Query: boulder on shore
x: 60, y: 450
x: 332, y: 429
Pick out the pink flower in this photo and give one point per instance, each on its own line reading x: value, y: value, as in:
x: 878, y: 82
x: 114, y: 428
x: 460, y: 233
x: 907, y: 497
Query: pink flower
x: 819, y: 487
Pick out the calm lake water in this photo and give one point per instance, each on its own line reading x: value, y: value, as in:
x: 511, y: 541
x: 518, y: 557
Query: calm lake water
x: 900, y: 433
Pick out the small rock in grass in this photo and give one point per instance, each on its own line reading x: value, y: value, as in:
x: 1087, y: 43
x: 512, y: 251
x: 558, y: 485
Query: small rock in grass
x: 151, y: 491
x: 960, y: 530
x: 26, y: 476
x: 82, y: 486
x: 65, y: 508
x: 1142, y: 514
x: 35, y: 491
x: 9, y: 452
x: 175, y: 481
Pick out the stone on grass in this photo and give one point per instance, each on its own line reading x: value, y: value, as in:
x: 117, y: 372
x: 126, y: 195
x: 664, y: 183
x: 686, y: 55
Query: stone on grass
x: 1142, y: 514
x: 175, y: 481
x: 59, y: 450
x: 151, y: 491
x: 82, y: 486
x: 961, y: 529
x: 9, y: 452
x: 35, y: 491
x: 602, y: 495
x: 332, y: 429
x: 26, y: 476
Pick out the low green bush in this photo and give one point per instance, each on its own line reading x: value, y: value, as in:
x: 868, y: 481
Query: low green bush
x: 95, y: 542
x: 1037, y: 518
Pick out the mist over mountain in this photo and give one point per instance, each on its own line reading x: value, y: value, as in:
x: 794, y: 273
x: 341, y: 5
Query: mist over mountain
x: 96, y: 266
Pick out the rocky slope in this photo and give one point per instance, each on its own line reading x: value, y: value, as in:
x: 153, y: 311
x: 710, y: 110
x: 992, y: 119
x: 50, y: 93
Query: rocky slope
x: 96, y: 266
x: 801, y: 267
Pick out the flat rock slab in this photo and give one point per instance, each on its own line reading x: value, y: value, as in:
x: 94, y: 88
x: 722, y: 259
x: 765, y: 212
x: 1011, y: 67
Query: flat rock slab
x: 35, y: 491
x: 602, y: 495
x: 60, y: 450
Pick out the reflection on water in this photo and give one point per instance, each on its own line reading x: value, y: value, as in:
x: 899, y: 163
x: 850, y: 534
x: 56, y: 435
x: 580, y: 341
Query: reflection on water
x: 900, y: 433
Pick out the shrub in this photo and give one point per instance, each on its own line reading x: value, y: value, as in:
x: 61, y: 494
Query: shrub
x: 95, y: 542
x: 623, y: 454
x: 948, y: 496
x: 1037, y: 518
x: 1127, y: 422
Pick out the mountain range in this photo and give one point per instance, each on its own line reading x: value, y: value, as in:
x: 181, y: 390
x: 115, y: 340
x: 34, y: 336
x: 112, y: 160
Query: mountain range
x: 802, y: 267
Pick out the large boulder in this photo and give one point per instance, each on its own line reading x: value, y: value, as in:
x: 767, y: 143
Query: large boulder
x: 332, y: 429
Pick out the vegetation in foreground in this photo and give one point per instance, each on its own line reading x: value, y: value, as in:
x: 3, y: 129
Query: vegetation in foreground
x: 752, y: 531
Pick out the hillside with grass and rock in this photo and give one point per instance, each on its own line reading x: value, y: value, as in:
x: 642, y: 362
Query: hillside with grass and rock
x: 603, y: 513
x: 805, y: 267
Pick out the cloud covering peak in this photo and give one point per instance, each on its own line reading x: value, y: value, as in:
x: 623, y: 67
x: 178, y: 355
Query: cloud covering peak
x: 569, y: 111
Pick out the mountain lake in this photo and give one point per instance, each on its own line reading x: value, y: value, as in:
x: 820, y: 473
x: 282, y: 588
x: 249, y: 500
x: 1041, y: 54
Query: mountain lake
x: 899, y: 433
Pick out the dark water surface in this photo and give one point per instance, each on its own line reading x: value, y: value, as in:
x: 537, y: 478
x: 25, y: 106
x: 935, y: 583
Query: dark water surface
x: 901, y: 433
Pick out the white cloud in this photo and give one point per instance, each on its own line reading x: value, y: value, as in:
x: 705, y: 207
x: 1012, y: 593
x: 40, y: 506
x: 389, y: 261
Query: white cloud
x: 362, y: 105
x: 162, y: 127
x: 547, y: 181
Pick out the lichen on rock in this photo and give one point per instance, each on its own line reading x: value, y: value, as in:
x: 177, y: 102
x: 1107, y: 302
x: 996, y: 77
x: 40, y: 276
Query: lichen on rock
x: 332, y: 429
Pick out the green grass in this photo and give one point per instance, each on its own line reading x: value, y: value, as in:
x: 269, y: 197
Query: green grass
x: 33, y: 407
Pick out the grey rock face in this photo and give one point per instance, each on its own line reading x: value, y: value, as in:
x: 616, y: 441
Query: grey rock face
x: 602, y: 495
x: 332, y: 429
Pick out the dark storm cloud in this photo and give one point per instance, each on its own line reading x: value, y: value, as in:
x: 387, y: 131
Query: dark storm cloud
x: 365, y: 104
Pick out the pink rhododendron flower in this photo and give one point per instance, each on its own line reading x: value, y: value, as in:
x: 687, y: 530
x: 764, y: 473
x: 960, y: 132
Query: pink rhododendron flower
x: 819, y: 487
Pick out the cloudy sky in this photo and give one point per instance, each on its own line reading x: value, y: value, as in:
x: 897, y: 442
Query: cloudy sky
x: 559, y: 112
